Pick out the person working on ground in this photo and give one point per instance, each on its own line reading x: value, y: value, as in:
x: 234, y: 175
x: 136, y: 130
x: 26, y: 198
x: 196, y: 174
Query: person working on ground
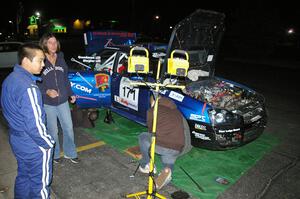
x: 56, y: 91
x: 22, y: 107
x: 169, y: 139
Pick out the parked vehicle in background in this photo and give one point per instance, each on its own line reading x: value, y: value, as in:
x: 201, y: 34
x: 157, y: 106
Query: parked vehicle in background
x: 220, y: 113
x: 9, y: 54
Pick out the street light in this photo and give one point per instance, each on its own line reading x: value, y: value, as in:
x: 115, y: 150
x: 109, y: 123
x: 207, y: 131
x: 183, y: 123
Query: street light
x: 11, y: 27
x: 37, y: 14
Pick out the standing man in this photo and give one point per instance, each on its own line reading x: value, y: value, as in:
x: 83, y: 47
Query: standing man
x: 170, y: 139
x: 22, y: 107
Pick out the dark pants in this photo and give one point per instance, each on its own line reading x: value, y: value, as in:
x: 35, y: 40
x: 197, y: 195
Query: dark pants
x: 168, y: 156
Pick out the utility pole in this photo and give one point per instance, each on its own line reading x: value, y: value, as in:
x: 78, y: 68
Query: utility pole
x: 19, y: 16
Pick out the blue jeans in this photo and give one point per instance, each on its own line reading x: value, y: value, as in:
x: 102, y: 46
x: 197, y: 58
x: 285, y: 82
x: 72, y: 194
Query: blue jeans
x: 63, y: 113
x: 168, y: 156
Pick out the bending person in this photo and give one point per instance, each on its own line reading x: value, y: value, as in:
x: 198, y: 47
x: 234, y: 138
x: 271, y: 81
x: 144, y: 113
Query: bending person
x: 169, y: 139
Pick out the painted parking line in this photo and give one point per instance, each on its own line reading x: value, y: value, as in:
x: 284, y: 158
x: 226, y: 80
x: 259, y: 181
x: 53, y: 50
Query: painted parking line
x: 87, y: 147
x: 134, y: 152
x: 90, y: 146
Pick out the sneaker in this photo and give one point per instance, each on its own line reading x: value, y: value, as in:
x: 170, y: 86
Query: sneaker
x: 73, y: 160
x: 56, y: 160
x: 163, y: 178
x: 146, y: 169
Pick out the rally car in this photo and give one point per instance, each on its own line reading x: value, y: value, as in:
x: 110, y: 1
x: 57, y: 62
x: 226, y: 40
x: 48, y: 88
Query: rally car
x: 220, y: 114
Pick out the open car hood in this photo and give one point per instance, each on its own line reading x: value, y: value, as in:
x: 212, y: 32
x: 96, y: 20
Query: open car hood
x: 199, y: 34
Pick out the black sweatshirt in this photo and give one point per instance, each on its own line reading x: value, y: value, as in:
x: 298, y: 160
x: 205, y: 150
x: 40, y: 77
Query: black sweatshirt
x: 55, y: 77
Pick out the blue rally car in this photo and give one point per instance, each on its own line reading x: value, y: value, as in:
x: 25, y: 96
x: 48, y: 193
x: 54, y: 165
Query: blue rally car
x: 220, y: 114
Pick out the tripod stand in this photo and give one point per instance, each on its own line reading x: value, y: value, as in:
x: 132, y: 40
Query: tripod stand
x: 151, y: 191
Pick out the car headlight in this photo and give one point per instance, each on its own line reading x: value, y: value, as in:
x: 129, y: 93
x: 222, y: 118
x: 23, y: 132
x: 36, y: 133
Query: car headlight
x: 221, y: 116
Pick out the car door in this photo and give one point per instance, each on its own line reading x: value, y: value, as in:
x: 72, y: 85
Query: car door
x: 92, y: 88
x: 127, y: 100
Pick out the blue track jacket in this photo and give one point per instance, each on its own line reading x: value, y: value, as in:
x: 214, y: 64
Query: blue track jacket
x: 21, y: 102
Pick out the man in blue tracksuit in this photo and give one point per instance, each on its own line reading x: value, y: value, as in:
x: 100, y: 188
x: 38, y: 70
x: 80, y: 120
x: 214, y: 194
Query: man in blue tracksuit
x: 22, y: 107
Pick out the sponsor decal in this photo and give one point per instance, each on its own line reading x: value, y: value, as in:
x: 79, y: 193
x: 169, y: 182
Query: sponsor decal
x: 229, y: 130
x: 90, y: 59
x: 81, y: 88
x: 163, y: 92
x: 196, y: 117
x: 158, y: 54
x: 210, y: 58
x: 201, y: 136
x: 125, y: 102
x: 102, y: 81
x: 200, y: 127
x: 176, y: 96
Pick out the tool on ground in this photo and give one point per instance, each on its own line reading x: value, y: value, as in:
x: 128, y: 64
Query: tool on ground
x: 133, y: 175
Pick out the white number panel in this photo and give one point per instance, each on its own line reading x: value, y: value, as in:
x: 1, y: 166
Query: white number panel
x: 128, y: 95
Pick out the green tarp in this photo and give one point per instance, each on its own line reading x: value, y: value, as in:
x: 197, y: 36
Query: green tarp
x: 204, y: 166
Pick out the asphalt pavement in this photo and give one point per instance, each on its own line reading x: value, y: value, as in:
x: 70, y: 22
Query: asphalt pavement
x: 102, y: 172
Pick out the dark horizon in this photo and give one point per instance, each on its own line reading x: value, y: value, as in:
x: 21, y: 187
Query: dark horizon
x: 251, y: 26
x: 138, y: 13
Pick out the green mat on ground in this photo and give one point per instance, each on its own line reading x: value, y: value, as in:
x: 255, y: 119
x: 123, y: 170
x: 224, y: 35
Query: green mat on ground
x: 204, y: 166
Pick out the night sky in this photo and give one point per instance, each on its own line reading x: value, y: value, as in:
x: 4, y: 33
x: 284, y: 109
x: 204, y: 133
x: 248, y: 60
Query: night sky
x: 256, y: 21
x: 140, y: 13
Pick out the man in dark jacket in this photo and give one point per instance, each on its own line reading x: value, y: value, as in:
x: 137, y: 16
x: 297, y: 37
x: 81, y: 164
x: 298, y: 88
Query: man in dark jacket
x: 22, y: 107
x: 169, y: 139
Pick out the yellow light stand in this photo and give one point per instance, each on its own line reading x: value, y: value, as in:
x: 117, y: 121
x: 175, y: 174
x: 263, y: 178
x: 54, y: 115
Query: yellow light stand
x: 178, y: 66
x: 138, y: 63
x: 151, y: 192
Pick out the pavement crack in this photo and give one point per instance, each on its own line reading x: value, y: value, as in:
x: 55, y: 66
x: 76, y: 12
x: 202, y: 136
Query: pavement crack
x: 294, y: 161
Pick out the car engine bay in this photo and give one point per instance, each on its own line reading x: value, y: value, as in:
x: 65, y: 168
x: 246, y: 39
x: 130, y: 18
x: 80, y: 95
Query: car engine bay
x: 219, y: 94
